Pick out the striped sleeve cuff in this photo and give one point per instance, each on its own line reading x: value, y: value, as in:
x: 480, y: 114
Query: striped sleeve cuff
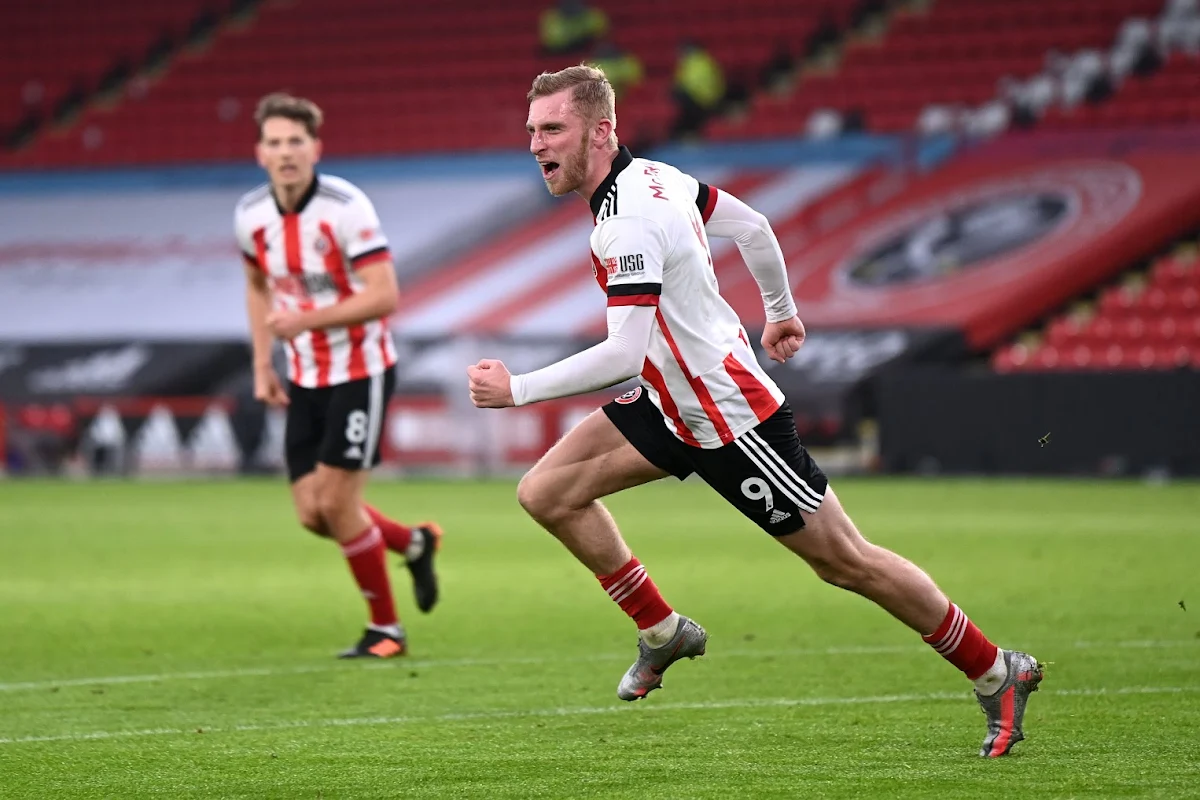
x: 634, y: 294
x: 371, y: 257
x: 706, y: 200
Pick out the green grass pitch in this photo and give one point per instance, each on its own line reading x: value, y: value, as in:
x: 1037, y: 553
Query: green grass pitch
x: 176, y: 640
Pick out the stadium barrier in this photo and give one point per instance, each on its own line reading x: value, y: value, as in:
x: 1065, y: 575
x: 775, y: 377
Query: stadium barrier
x: 1122, y: 423
x: 219, y: 435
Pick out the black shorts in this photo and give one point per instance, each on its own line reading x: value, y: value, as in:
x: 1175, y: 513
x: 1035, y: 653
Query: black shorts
x: 336, y: 425
x: 765, y: 473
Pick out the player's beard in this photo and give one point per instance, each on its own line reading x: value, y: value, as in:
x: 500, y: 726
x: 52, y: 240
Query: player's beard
x: 573, y: 171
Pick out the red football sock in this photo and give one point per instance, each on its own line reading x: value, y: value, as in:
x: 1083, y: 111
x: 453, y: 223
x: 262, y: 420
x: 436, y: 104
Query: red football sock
x: 636, y: 594
x: 962, y: 644
x: 366, y: 556
x: 397, y: 537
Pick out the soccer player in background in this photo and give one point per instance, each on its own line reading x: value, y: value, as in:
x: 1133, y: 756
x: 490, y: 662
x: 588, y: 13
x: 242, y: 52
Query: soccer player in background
x: 320, y: 278
x: 704, y: 406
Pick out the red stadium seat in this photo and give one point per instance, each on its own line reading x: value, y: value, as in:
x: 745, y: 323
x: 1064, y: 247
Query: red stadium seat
x: 1130, y: 330
x: 1101, y: 330
x: 1184, y: 299
x: 1171, y: 357
x: 1046, y: 357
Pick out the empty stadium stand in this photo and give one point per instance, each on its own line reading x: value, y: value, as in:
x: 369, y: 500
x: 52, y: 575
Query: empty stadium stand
x: 388, y: 81
x: 55, y: 47
x: 1149, y: 320
x: 955, y: 53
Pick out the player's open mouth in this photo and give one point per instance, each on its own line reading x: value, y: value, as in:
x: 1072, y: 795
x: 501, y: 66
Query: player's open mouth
x: 549, y: 168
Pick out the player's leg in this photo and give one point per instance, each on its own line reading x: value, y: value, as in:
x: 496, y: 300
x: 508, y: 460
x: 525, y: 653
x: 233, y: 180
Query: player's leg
x: 418, y: 544
x: 348, y: 450
x: 304, y: 500
x: 562, y: 491
x: 303, y: 430
x: 838, y: 553
x: 809, y: 520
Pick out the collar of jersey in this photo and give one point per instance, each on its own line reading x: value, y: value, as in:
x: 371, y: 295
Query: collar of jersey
x: 624, y: 159
x: 308, y: 195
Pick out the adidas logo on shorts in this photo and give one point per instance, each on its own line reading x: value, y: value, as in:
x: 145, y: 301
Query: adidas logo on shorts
x: 778, y: 516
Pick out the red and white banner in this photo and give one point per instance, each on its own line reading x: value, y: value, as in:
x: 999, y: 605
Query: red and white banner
x: 985, y: 246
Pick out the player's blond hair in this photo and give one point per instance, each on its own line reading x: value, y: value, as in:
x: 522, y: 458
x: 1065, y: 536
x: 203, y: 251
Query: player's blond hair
x: 297, y: 109
x: 592, y: 95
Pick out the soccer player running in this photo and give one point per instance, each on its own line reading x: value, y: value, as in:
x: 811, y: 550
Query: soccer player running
x: 705, y: 405
x: 320, y: 278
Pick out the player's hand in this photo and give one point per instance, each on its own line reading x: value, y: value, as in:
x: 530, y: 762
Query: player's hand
x: 490, y: 383
x: 286, y: 324
x: 781, y: 340
x: 268, y: 388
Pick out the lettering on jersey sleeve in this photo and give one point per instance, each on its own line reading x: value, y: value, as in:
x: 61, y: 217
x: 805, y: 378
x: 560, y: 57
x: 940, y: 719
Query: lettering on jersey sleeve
x: 625, y: 265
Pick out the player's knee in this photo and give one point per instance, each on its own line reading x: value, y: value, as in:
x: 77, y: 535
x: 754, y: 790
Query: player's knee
x: 845, y: 573
x: 537, y: 498
x: 331, y: 506
x: 310, y: 517
x: 846, y: 561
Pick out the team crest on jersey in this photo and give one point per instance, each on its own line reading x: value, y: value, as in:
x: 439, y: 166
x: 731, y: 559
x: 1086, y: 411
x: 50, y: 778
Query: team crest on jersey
x: 630, y: 396
x: 323, y: 245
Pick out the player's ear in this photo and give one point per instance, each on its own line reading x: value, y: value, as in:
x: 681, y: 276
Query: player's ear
x: 317, y: 151
x: 602, y: 132
x: 260, y: 155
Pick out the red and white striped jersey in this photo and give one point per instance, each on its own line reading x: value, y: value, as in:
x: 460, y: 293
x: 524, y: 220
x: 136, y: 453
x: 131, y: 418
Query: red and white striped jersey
x: 649, y: 248
x: 309, y: 257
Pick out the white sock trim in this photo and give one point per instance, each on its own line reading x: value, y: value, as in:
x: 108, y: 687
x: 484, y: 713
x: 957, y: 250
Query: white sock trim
x: 990, y: 682
x: 416, y: 545
x: 658, y: 635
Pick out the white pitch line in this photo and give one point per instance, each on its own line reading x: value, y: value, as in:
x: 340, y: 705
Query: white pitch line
x: 468, y: 716
x: 270, y: 672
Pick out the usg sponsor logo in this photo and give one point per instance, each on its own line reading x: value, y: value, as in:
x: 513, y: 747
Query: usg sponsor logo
x: 618, y: 265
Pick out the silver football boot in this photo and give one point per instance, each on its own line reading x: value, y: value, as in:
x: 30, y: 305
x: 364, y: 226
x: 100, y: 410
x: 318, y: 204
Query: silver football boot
x: 646, y: 673
x: 1005, y: 710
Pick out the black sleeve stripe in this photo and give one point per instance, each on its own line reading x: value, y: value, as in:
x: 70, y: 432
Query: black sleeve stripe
x: 371, y: 252
x: 626, y: 289
x: 702, y: 197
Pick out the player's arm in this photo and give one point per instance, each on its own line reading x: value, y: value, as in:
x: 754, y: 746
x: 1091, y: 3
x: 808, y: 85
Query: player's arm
x: 379, y: 297
x: 258, y: 306
x: 727, y: 217
x: 267, y: 386
x: 618, y: 358
x: 632, y: 301
x: 361, y: 238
